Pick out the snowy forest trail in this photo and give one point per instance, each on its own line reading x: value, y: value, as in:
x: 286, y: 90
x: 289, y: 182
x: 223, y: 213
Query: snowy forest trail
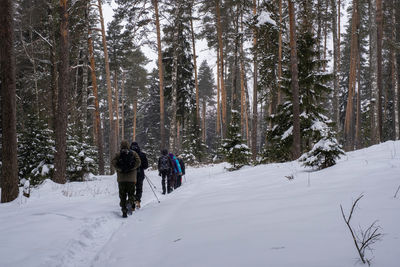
x: 252, y: 217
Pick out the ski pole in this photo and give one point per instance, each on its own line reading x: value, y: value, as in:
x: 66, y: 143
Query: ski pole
x: 147, y: 179
x: 151, y: 182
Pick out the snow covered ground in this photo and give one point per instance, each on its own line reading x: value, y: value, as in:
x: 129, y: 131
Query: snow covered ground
x: 252, y: 217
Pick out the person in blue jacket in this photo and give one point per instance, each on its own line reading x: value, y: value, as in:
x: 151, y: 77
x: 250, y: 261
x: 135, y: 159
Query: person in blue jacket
x: 176, y: 170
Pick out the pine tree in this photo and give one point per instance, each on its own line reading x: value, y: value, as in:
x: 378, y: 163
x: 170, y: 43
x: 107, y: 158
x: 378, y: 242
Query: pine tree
x: 314, y: 87
x: 36, y: 151
x: 80, y: 158
x: 194, y: 149
x: 236, y: 152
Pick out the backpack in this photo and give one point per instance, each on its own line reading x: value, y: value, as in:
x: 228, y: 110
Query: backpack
x: 126, y: 161
x: 164, y: 166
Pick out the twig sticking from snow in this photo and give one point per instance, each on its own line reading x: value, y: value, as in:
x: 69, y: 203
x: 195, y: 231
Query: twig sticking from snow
x: 368, y: 237
x: 395, y: 195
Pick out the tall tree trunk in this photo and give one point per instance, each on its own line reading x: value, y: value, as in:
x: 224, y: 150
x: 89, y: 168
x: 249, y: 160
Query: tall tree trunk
x: 135, y: 100
x: 255, y: 101
x: 116, y: 101
x: 9, y: 177
x: 160, y: 76
x: 195, y: 65
x: 204, y: 121
x: 218, y: 128
x: 295, y: 83
x: 336, y: 60
x: 374, y: 73
x: 395, y: 76
x: 280, y: 97
x: 97, y: 125
x: 358, y: 117
x: 123, y: 106
x: 174, y: 103
x: 221, y: 74
x: 60, y: 158
x: 349, y: 120
x: 379, y: 24
x: 242, y: 90
x: 112, y: 141
x: 54, y: 72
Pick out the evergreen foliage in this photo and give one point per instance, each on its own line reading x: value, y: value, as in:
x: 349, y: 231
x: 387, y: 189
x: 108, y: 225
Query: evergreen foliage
x: 194, y: 149
x: 36, y: 148
x: 236, y: 152
x: 80, y: 158
x: 314, y: 125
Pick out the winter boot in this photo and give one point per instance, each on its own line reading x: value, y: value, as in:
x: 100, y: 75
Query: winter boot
x: 124, y: 215
x: 130, y: 208
x: 137, y: 204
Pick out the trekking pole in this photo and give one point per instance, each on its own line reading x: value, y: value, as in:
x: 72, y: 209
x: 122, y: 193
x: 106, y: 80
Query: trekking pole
x: 151, y: 182
x: 147, y: 179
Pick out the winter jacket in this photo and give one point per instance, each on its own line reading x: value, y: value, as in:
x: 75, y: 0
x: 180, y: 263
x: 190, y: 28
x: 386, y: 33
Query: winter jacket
x: 176, y: 165
x: 170, y: 164
x: 143, y: 159
x: 182, y: 164
x: 129, y: 176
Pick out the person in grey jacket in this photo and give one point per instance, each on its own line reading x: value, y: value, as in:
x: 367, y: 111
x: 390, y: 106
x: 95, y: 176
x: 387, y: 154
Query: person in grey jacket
x: 126, y: 163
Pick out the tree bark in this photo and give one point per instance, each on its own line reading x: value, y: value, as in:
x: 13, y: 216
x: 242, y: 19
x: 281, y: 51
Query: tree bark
x: 349, y: 120
x: 160, y: 76
x: 97, y: 125
x: 60, y: 158
x: 218, y: 128
x: 255, y: 79
x: 204, y: 121
x: 195, y: 65
x: 135, y: 113
x: 379, y: 24
x: 112, y: 141
x: 375, y: 139
x: 395, y: 76
x: 336, y: 60
x: 9, y: 177
x: 242, y: 90
x: 221, y: 75
x: 280, y: 97
x: 174, y: 103
x: 123, y: 106
x: 116, y: 101
x: 295, y: 83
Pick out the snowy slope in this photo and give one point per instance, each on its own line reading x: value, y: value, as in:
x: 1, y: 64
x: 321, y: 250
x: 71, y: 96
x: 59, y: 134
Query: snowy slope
x: 251, y: 217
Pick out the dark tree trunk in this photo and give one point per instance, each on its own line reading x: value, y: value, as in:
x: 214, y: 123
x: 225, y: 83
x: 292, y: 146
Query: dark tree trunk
x: 255, y: 112
x: 160, y: 76
x: 97, y: 125
x: 9, y: 178
x: 295, y: 83
x: 379, y: 24
x: 60, y: 158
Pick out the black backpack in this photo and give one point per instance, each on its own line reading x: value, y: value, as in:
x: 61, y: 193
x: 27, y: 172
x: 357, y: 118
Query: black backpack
x: 126, y: 161
x: 164, y: 166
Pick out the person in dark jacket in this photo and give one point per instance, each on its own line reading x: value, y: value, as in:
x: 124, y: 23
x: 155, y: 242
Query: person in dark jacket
x: 182, y: 165
x: 140, y: 173
x: 165, y: 170
x: 176, y: 170
x: 126, y: 177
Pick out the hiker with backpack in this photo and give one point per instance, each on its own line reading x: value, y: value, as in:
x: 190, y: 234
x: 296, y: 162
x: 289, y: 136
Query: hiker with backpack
x: 126, y: 163
x: 182, y: 165
x: 140, y: 173
x: 176, y: 170
x: 165, y: 171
